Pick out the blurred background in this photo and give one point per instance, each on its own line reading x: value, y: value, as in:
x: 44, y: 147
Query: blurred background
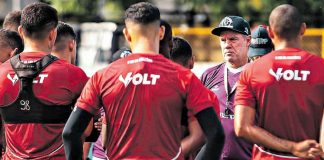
x: 99, y: 24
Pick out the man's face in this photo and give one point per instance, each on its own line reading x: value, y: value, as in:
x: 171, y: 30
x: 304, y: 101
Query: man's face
x: 234, y: 47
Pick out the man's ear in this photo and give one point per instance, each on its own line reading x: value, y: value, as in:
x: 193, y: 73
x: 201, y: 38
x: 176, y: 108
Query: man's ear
x: 127, y: 35
x: 71, y: 45
x: 52, y: 35
x: 20, y: 31
x: 270, y: 32
x: 248, y: 39
x: 162, y: 32
x: 302, y: 29
x: 13, y: 52
x: 191, y: 62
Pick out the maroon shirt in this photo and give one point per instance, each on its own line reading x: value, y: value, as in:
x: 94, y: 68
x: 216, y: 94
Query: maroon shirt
x: 143, y: 96
x: 234, y: 147
x: 286, y: 89
x: 59, y: 83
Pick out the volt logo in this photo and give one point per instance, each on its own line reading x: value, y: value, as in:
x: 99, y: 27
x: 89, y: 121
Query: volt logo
x: 145, y: 79
x: 39, y: 79
x: 288, y: 75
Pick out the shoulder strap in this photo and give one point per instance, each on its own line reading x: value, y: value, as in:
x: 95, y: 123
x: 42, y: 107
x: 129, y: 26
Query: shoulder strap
x: 30, y: 70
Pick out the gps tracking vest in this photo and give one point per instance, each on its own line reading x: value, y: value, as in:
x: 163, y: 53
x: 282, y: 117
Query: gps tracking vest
x: 27, y: 108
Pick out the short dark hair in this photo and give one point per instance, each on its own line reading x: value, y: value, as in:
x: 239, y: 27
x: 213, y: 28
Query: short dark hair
x: 12, y: 20
x: 142, y: 13
x: 11, y: 39
x: 285, y: 21
x: 38, y: 19
x: 64, y: 30
x: 181, y: 50
x: 167, y: 39
x: 168, y: 31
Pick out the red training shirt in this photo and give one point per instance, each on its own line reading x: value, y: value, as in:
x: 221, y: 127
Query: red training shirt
x: 143, y: 96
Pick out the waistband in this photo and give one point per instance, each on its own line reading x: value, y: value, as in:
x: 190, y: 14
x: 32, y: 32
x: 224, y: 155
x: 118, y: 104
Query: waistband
x: 275, y: 153
x: 47, y: 156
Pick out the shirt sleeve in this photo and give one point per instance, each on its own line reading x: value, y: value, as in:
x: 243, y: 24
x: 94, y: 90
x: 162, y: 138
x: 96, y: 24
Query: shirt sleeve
x: 244, y: 93
x: 198, y: 96
x: 89, y: 99
x: 77, y: 81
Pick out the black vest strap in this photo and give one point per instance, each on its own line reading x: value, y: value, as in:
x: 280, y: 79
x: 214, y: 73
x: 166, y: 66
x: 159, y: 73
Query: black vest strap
x: 27, y: 108
x: 30, y: 70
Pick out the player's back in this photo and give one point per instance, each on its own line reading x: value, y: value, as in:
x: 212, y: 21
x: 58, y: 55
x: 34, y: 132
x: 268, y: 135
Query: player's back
x: 33, y: 124
x: 290, y: 86
x: 143, y: 96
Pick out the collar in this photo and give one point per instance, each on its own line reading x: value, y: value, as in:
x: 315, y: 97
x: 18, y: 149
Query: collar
x: 234, y: 70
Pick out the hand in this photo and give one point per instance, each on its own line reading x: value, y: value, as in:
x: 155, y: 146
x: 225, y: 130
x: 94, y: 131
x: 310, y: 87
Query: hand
x: 307, y: 149
x: 98, y: 124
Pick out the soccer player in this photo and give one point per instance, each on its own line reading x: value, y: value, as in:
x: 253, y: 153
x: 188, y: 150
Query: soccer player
x: 143, y: 96
x: 37, y: 90
x: 234, y: 34
x: 261, y: 44
x: 193, y: 139
x: 10, y: 44
x: 12, y: 21
x: 284, y: 90
x: 65, y: 44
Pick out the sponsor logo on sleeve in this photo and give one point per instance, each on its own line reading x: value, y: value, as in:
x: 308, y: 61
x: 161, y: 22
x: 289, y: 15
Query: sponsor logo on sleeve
x: 289, y: 75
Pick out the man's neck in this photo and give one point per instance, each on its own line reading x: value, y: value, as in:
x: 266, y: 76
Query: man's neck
x: 282, y: 44
x: 145, y: 46
x: 36, y: 46
x: 64, y: 55
x: 236, y: 65
x: 234, y: 70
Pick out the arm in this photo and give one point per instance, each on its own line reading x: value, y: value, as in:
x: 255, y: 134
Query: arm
x: 194, y: 140
x: 104, y: 136
x: 245, y: 128
x: 214, y: 133
x: 72, y: 133
x: 322, y: 132
x: 86, y: 149
x: 322, y: 135
x: 87, y: 145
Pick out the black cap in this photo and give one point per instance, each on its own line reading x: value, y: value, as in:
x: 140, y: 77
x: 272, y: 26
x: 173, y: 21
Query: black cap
x: 261, y: 43
x: 121, y: 53
x: 233, y: 23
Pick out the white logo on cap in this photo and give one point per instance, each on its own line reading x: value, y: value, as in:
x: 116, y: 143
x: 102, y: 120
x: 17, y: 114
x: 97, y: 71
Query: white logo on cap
x: 227, y: 22
x: 259, y: 41
x: 125, y: 54
x: 246, y: 30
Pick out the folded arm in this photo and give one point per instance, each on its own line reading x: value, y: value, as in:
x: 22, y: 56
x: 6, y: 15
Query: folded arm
x: 244, y: 127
